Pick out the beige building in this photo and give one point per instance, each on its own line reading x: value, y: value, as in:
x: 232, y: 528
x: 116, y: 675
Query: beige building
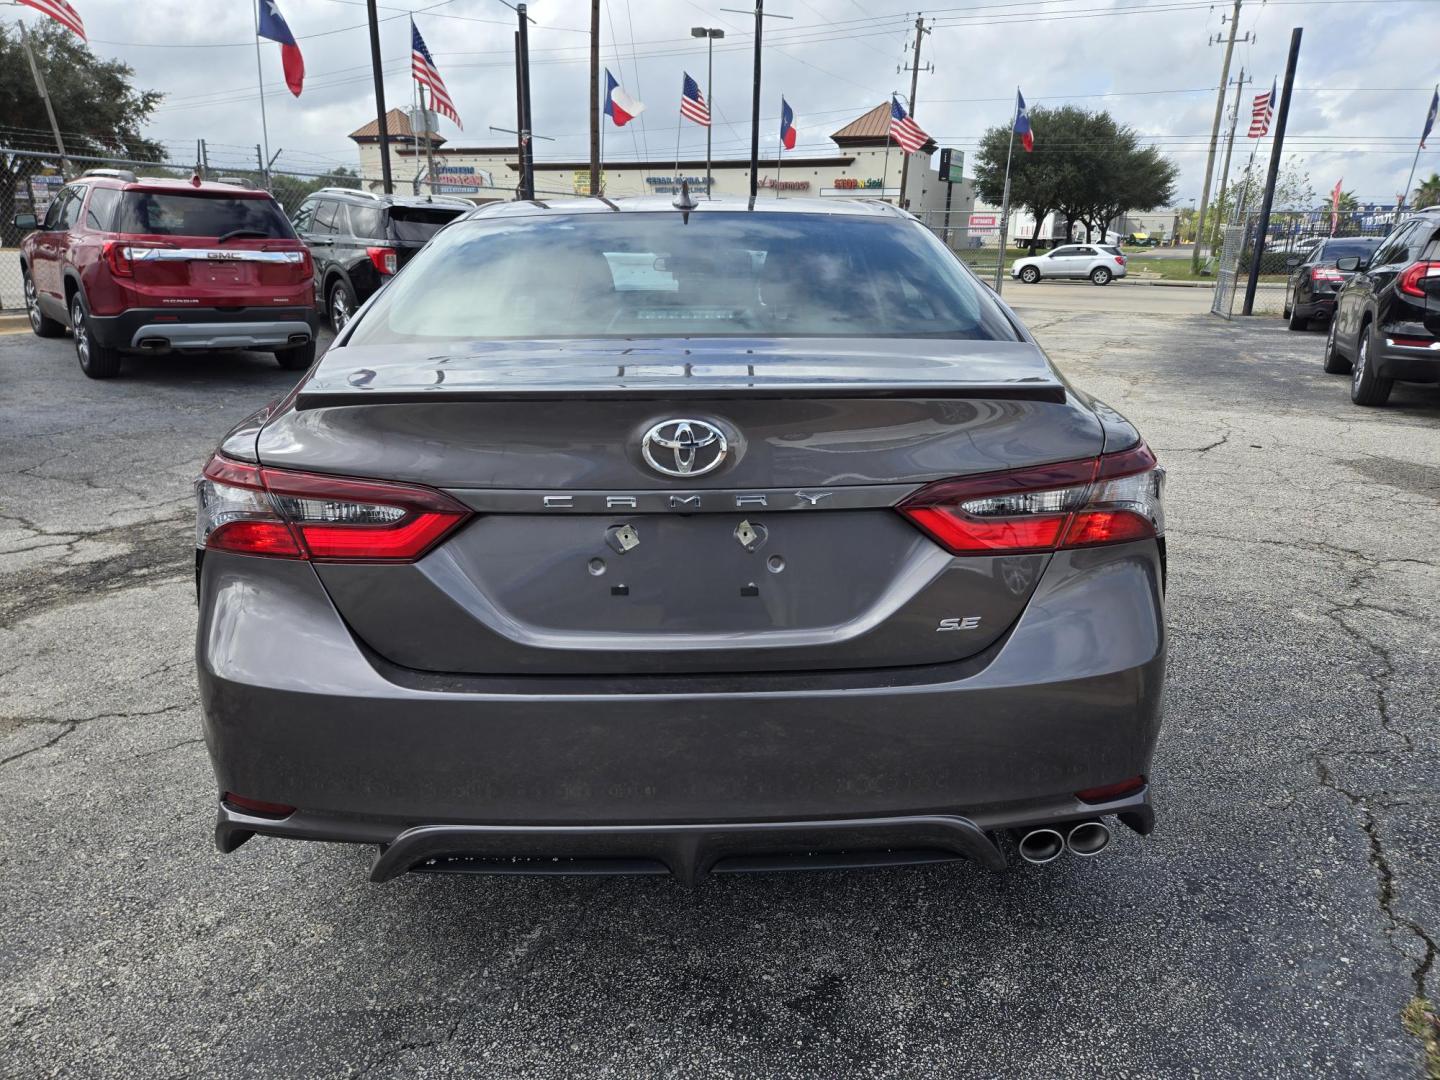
x: 860, y: 166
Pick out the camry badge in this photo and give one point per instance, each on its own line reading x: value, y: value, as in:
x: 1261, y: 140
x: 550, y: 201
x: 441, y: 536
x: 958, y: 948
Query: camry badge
x: 684, y: 447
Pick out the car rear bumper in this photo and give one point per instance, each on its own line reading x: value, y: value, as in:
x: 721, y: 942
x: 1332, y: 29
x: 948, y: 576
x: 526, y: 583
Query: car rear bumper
x: 683, y: 771
x: 206, y: 328
x: 1408, y: 362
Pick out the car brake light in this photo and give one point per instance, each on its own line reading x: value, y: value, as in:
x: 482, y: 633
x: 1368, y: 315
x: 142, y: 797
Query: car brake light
x: 1409, y: 283
x: 116, y: 254
x: 1120, y: 259
x: 283, y: 514
x: 257, y: 807
x: 1325, y: 273
x: 1111, y: 792
x: 1070, y: 504
x: 384, y: 259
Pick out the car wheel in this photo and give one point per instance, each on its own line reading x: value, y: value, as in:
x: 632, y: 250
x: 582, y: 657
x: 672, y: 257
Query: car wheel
x: 341, y: 306
x: 1296, y: 321
x: 1100, y: 276
x: 96, y: 360
x: 1335, y: 364
x: 1029, y: 275
x: 297, y: 359
x: 1367, y: 388
x: 40, y: 323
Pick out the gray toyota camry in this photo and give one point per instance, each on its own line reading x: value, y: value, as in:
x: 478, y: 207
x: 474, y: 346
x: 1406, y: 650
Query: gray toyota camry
x: 647, y: 537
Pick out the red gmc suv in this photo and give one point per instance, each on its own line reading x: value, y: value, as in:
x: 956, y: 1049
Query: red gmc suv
x: 148, y: 265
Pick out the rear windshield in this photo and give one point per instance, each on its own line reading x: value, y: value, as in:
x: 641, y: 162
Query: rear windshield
x: 1340, y: 249
x: 419, y: 223
x: 167, y: 214
x: 719, y: 274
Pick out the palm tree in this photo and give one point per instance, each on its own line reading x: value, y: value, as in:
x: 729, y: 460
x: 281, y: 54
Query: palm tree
x: 1428, y: 193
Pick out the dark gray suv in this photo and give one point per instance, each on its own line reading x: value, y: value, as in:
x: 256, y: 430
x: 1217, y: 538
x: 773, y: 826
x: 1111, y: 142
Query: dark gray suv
x: 617, y: 537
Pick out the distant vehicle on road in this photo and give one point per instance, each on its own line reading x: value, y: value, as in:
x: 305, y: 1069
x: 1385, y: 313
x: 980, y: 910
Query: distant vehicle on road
x: 1387, y: 316
x: 359, y: 240
x: 1141, y: 239
x: 148, y: 265
x: 639, y: 536
x: 1099, y: 263
x: 1315, y: 279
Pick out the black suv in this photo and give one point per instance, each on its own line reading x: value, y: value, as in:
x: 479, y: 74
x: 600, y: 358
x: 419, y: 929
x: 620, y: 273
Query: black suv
x: 1387, y: 317
x: 358, y: 240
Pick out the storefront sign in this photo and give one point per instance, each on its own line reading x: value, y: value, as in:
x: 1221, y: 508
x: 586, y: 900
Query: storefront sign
x: 43, y: 190
x: 461, y: 179
x: 582, y: 182
x: 784, y: 185
x: 853, y: 183
x: 670, y: 185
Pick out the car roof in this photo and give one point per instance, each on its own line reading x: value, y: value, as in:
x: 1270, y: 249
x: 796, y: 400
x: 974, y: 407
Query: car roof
x: 371, y: 198
x: 842, y: 207
x: 166, y: 184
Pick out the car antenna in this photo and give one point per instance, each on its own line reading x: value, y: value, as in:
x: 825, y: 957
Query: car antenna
x: 685, y: 201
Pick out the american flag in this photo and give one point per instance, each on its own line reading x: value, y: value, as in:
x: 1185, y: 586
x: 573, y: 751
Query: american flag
x: 904, y: 130
x: 61, y: 12
x: 692, y: 102
x: 426, y: 74
x: 1263, y: 112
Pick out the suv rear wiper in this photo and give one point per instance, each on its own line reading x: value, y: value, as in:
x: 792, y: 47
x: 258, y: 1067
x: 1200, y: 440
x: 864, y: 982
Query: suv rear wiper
x: 240, y: 232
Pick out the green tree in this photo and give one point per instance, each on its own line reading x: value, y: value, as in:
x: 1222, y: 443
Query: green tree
x: 1085, y: 167
x: 1428, y: 193
x: 99, y: 110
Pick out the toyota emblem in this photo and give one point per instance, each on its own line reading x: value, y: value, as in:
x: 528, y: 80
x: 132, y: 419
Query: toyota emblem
x: 684, y: 447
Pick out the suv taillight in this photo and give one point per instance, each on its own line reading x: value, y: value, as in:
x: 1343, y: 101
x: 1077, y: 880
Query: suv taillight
x: 1070, y: 504
x: 283, y: 514
x: 1120, y: 259
x: 1409, y: 282
x: 384, y: 259
x: 116, y: 254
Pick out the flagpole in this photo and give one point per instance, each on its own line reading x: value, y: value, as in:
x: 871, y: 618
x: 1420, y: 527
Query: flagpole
x: 260, y: 88
x: 1005, y: 199
x: 679, y: 123
x: 779, y: 150
x: 885, y: 171
x: 1415, y: 161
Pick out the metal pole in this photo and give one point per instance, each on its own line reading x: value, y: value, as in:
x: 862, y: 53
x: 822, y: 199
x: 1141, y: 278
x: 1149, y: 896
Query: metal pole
x: 902, y: 202
x: 1403, y: 199
x: 1005, y: 199
x: 519, y: 125
x: 885, y: 168
x: 779, y: 155
x: 1280, y: 118
x: 710, y: 103
x: 204, y: 159
x: 384, y: 130
x: 755, y: 103
x: 1214, y: 138
x: 1230, y: 145
x: 429, y: 143
x: 527, y: 142
x: 45, y: 95
x: 595, y: 97
x: 949, y: 187
x: 260, y: 89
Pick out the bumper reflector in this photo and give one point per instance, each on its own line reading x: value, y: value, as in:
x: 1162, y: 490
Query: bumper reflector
x: 1111, y: 792
x: 256, y: 807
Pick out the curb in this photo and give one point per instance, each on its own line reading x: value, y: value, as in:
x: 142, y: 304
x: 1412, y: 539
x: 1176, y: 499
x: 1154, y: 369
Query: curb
x: 14, y: 322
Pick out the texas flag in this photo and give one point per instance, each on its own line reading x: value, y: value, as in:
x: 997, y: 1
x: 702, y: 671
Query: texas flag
x: 620, y: 106
x: 787, y: 125
x: 1022, y: 123
x: 274, y: 27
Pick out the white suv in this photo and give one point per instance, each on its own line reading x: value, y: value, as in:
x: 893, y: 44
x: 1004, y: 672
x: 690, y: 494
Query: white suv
x: 1098, y: 263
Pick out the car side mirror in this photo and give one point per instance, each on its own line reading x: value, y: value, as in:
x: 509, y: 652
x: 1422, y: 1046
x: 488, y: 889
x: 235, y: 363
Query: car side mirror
x: 1348, y: 262
x: 1293, y: 261
x: 25, y: 222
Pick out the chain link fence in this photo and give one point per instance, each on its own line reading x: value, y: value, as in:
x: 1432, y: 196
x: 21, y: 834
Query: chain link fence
x: 30, y: 180
x: 1292, y: 235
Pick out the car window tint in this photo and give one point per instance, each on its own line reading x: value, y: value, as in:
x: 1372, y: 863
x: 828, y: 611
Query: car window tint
x: 69, y: 209
x: 657, y: 275
x: 325, y: 216
x: 1393, y: 247
x: 305, y: 216
x: 1331, y: 250
x: 367, y: 221
x: 1086, y: 251
x: 419, y: 223
x: 164, y: 213
x: 100, y: 210
x: 1062, y: 253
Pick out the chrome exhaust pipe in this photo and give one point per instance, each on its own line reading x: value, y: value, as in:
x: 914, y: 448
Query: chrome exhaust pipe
x: 1041, y: 846
x: 1088, y: 839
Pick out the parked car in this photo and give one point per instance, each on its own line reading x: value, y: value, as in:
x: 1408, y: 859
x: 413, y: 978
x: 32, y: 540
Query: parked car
x: 1099, y: 264
x: 1315, y: 279
x: 140, y: 264
x: 791, y: 548
x: 1387, y: 316
x: 359, y: 240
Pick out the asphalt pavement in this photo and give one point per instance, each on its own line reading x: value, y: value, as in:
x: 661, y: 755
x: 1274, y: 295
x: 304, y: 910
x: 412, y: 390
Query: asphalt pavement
x: 1278, y: 922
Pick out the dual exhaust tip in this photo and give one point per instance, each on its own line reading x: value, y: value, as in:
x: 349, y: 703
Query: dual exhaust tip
x: 1046, y: 844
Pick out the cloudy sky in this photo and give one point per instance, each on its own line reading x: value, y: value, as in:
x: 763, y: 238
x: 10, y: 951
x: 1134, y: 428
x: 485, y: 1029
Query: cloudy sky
x: 1363, y: 86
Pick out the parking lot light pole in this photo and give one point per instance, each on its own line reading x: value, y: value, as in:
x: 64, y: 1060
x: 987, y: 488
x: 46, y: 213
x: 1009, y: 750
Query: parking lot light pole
x: 709, y: 33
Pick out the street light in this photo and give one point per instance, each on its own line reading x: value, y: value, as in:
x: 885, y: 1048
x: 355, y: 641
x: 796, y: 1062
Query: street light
x: 710, y: 33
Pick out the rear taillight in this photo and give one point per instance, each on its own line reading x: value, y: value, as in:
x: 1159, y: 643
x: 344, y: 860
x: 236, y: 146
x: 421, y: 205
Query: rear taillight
x: 384, y: 258
x: 1120, y: 259
x: 283, y: 514
x: 1410, y: 280
x: 1325, y: 273
x: 116, y: 254
x: 1105, y: 500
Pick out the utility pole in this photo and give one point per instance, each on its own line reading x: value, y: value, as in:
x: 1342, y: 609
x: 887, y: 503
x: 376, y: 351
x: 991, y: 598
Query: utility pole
x: 1280, y: 118
x: 44, y: 95
x: 1215, y: 130
x: 914, y: 70
x: 760, y: 18
x: 527, y: 146
x: 594, y: 97
x: 384, y: 131
x: 1229, y: 146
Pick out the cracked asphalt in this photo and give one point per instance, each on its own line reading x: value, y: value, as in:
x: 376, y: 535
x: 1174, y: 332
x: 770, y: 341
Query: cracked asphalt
x: 1278, y: 923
